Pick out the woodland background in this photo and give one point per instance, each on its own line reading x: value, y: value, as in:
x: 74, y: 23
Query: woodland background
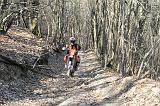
x: 125, y: 34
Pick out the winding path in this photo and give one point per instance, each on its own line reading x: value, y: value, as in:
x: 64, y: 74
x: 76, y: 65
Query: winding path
x: 91, y: 86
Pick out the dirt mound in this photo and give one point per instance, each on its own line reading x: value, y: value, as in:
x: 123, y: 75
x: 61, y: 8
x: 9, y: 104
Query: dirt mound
x: 20, y: 51
x: 127, y: 92
x: 18, y: 47
x: 145, y: 92
x: 24, y: 62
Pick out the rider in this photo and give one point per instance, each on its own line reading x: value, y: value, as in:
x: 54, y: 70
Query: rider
x: 73, y: 46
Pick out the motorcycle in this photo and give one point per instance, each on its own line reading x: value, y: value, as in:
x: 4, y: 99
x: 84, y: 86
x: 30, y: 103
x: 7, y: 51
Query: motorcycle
x: 71, y: 62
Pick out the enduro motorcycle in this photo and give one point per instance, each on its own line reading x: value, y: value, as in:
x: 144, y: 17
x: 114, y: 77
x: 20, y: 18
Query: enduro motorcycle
x: 71, y: 63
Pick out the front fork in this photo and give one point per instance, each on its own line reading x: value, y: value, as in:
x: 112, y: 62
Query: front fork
x: 71, y: 66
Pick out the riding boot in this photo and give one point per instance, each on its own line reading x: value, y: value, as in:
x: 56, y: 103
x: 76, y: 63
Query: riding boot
x: 77, y: 64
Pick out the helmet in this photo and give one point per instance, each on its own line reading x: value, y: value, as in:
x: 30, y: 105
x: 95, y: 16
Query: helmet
x: 72, y: 39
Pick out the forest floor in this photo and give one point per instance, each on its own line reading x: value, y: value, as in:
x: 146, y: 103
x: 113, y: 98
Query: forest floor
x: 91, y: 86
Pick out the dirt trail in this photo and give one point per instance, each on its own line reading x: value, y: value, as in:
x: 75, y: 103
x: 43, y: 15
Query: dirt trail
x: 91, y: 86
x: 62, y: 90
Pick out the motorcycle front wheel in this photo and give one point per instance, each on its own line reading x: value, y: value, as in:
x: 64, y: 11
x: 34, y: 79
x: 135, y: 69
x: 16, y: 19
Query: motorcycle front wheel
x: 70, y: 73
